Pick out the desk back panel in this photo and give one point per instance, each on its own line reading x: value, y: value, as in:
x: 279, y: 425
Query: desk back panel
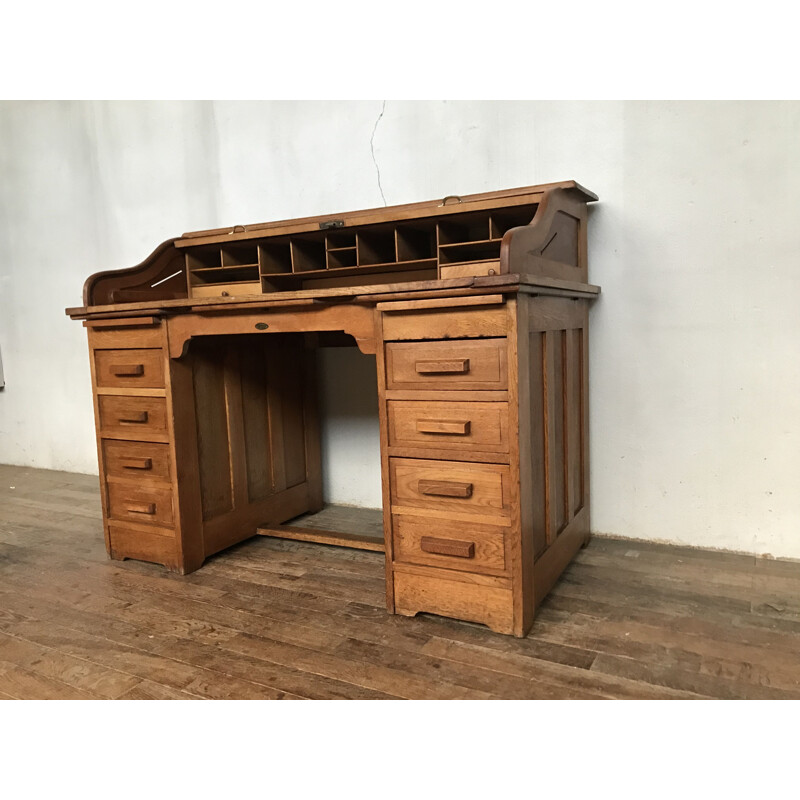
x: 256, y: 430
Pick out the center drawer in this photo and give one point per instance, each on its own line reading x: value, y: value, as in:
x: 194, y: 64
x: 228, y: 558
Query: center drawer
x: 479, y: 427
x: 450, y: 485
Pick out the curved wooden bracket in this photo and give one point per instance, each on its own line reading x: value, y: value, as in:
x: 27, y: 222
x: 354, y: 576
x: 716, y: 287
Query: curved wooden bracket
x: 356, y: 320
x: 553, y: 243
x: 164, y: 267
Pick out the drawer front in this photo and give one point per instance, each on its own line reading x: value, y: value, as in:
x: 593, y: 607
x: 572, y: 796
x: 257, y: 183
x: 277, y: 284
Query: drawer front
x: 457, y: 364
x: 129, y: 369
x: 136, y: 459
x: 450, y: 485
x: 133, y: 417
x: 226, y: 289
x: 449, y: 426
x: 442, y: 543
x: 445, y: 593
x: 474, y: 268
x: 128, y: 502
x: 143, y: 545
x: 135, y: 337
x: 446, y: 323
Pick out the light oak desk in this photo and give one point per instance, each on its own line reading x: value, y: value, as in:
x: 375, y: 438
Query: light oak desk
x: 475, y: 308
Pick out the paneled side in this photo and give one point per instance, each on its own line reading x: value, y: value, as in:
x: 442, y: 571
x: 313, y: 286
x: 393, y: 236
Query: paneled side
x: 558, y: 417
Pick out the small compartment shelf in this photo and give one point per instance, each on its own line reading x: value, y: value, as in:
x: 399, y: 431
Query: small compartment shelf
x: 465, y: 252
x: 240, y: 255
x: 341, y: 257
x: 275, y: 257
x: 415, y: 242
x: 203, y: 258
x: 233, y: 274
x: 376, y: 246
x: 231, y: 269
x: 504, y: 219
x: 472, y: 227
x: 308, y: 254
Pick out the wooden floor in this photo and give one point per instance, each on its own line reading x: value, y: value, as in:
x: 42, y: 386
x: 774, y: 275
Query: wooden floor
x: 282, y: 619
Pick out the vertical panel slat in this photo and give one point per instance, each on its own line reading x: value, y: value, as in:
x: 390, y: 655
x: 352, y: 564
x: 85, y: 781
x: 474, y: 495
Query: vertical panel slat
x: 256, y: 422
x: 538, y: 452
x: 275, y: 414
x: 212, y: 429
x: 294, y: 442
x: 583, y: 383
x: 574, y: 369
x: 311, y: 424
x: 564, y: 425
x: 233, y: 408
x: 554, y: 432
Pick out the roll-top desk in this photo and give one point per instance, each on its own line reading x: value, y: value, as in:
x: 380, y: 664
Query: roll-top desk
x: 475, y: 309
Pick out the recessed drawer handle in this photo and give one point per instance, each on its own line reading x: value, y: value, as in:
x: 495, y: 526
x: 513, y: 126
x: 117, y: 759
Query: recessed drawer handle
x: 135, y: 419
x: 458, y: 427
x: 445, y: 488
x: 447, y: 547
x: 455, y: 366
x: 137, y: 463
x: 127, y: 370
x: 142, y: 508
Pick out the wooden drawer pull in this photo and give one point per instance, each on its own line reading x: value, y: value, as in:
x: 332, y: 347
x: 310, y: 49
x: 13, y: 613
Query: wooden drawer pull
x: 445, y: 488
x: 454, y: 366
x: 137, y: 463
x: 142, y: 508
x: 458, y: 427
x: 447, y: 547
x: 138, y: 419
x: 127, y: 370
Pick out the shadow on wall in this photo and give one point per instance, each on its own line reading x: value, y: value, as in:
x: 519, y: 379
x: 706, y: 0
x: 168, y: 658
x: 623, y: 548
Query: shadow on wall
x: 348, y: 394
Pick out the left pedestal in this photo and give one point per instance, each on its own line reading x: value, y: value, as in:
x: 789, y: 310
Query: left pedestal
x: 135, y: 442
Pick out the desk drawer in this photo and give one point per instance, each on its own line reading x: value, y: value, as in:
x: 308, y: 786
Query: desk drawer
x: 136, y: 459
x: 126, y: 501
x: 476, y: 598
x: 133, y: 417
x: 452, y: 364
x: 437, y: 542
x: 480, y: 427
x: 451, y: 486
x: 156, y: 545
x: 129, y: 369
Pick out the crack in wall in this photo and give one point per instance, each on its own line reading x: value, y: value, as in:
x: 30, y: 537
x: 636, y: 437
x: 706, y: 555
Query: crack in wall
x: 372, y: 150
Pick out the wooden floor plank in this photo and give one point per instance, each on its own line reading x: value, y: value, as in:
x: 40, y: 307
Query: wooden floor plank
x: 279, y: 619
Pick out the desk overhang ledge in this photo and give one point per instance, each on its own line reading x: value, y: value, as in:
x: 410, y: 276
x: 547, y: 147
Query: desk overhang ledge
x: 360, y: 295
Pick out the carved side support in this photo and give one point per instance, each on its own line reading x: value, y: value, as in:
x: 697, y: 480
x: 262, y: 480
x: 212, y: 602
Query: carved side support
x: 554, y: 244
x: 165, y: 266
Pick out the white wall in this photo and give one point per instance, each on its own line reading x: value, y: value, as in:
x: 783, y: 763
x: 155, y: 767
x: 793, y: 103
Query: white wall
x: 695, y: 368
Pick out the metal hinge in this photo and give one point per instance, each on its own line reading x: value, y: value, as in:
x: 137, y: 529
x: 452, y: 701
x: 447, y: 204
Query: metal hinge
x: 331, y: 223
